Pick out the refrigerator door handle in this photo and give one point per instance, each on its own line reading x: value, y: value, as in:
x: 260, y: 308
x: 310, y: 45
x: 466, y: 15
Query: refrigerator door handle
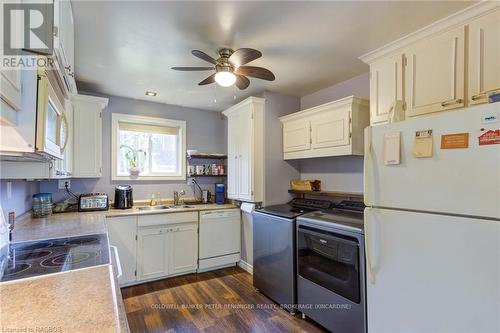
x: 370, y: 240
x: 367, y: 161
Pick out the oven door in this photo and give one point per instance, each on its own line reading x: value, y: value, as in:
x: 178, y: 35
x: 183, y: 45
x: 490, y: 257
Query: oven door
x: 52, y: 126
x: 330, y: 260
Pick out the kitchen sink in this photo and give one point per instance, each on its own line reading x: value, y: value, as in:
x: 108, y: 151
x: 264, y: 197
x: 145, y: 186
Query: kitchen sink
x: 181, y: 206
x: 153, y: 207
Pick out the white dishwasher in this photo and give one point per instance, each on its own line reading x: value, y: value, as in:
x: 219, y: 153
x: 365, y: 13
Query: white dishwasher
x: 219, y: 239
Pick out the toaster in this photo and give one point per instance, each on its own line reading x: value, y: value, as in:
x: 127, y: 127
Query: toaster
x: 93, y: 201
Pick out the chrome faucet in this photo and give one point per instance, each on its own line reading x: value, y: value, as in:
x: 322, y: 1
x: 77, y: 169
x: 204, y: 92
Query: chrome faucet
x: 177, y: 197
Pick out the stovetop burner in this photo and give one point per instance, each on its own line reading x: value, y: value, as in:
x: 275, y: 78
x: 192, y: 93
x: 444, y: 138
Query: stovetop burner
x: 55, y: 255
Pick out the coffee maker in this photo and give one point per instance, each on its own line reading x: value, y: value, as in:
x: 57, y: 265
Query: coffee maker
x: 123, y: 197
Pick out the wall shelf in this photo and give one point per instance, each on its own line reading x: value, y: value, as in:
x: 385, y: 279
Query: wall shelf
x: 350, y: 195
x: 208, y: 157
x: 194, y: 176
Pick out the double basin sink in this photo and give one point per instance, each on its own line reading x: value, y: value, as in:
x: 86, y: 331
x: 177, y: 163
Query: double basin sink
x: 160, y: 207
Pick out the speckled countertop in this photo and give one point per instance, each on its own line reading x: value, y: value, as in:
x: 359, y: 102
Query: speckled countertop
x: 84, y: 300
x: 74, y: 301
x: 75, y: 224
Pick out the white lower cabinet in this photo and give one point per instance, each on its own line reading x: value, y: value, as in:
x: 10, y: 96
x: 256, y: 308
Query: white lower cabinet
x: 152, y: 255
x: 122, y: 233
x: 183, y: 245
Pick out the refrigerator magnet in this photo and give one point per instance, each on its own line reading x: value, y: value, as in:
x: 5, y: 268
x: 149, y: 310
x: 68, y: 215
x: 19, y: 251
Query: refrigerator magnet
x: 422, y: 147
x: 455, y: 141
x: 491, y: 137
x: 392, y: 148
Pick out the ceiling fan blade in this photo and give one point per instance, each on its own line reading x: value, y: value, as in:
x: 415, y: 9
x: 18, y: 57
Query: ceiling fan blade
x: 243, y: 56
x: 257, y: 72
x: 242, y: 82
x: 208, y: 80
x: 204, y: 56
x: 189, y: 69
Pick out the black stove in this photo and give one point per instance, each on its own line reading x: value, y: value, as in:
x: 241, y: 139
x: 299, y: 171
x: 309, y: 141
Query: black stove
x: 35, y: 258
x: 300, y: 206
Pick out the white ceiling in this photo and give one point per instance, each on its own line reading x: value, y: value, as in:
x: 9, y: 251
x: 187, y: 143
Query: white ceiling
x: 126, y: 48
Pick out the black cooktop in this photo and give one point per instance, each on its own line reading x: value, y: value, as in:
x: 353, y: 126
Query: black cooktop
x: 300, y: 206
x: 35, y: 258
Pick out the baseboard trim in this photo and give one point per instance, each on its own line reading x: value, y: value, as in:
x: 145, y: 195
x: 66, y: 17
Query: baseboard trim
x: 246, y: 266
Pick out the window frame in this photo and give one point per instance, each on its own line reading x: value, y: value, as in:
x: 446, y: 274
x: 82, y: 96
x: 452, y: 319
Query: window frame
x: 116, y: 118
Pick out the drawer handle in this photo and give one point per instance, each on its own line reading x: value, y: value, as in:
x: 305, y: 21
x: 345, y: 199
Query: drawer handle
x: 481, y: 94
x: 451, y: 102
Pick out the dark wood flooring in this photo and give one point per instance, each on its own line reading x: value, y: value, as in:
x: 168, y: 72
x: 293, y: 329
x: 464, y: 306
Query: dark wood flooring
x: 217, y: 301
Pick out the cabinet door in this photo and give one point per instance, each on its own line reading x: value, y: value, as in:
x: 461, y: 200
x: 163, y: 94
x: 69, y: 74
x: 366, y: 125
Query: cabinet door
x: 435, y: 73
x: 122, y: 232
x: 484, y: 57
x: 245, y: 156
x: 386, y: 86
x: 330, y: 129
x: 232, y: 158
x: 87, y: 123
x: 183, y: 245
x: 296, y: 135
x: 152, y: 251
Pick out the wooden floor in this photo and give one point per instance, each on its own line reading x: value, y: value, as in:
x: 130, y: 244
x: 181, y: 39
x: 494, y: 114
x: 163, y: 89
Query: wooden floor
x: 217, y: 301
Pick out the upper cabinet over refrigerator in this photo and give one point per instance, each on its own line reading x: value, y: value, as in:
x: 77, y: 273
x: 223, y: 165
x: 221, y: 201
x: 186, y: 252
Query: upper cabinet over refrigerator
x: 449, y: 64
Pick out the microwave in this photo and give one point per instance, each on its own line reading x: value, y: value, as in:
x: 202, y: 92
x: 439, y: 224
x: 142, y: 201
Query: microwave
x: 51, y: 123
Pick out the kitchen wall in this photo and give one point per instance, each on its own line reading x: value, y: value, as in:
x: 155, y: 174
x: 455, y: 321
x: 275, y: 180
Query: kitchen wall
x: 206, y: 132
x: 340, y: 173
x: 357, y: 86
x: 18, y: 200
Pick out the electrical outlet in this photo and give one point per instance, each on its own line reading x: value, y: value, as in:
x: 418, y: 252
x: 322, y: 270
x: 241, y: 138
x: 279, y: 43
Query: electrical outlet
x: 190, y: 181
x: 63, y: 182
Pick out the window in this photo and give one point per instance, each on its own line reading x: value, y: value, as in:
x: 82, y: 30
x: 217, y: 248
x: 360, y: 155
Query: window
x: 147, y: 148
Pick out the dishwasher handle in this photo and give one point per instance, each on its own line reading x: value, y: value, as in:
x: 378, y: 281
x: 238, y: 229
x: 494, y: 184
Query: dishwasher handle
x: 118, y: 263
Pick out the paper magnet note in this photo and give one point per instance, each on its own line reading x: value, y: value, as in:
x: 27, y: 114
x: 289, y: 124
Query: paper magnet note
x: 392, y: 148
x: 490, y: 138
x: 455, y: 141
x: 422, y: 147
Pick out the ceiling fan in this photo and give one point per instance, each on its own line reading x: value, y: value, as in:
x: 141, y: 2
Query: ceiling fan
x: 229, y: 67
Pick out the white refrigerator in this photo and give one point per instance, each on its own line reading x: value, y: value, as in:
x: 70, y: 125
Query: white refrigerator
x: 432, y: 225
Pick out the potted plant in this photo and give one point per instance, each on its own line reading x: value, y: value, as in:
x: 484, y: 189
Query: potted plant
x: 132, y: 156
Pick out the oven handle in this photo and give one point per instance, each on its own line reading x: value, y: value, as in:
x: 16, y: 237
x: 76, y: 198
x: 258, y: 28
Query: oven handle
x: 118, y: 263
x: 325, y: 237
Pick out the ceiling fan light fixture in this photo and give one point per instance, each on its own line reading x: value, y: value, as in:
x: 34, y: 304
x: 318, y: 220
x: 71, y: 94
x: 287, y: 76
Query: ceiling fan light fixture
x: 225, y: 79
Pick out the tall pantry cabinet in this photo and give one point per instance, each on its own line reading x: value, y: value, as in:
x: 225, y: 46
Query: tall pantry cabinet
x: 245, y: 164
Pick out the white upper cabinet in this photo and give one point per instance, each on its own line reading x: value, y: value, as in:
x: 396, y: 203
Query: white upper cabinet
x: 64, y: 44
x: 386, y: 87
x: 435, y: 73
x: 87, y: 139
x: 448, y: 64
x: 331, y: 129
x: 484, y: 57
x: 296, y: 136
x: 245, y: 150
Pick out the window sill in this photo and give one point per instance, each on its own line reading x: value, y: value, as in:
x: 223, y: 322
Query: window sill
x: 147, y: 178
